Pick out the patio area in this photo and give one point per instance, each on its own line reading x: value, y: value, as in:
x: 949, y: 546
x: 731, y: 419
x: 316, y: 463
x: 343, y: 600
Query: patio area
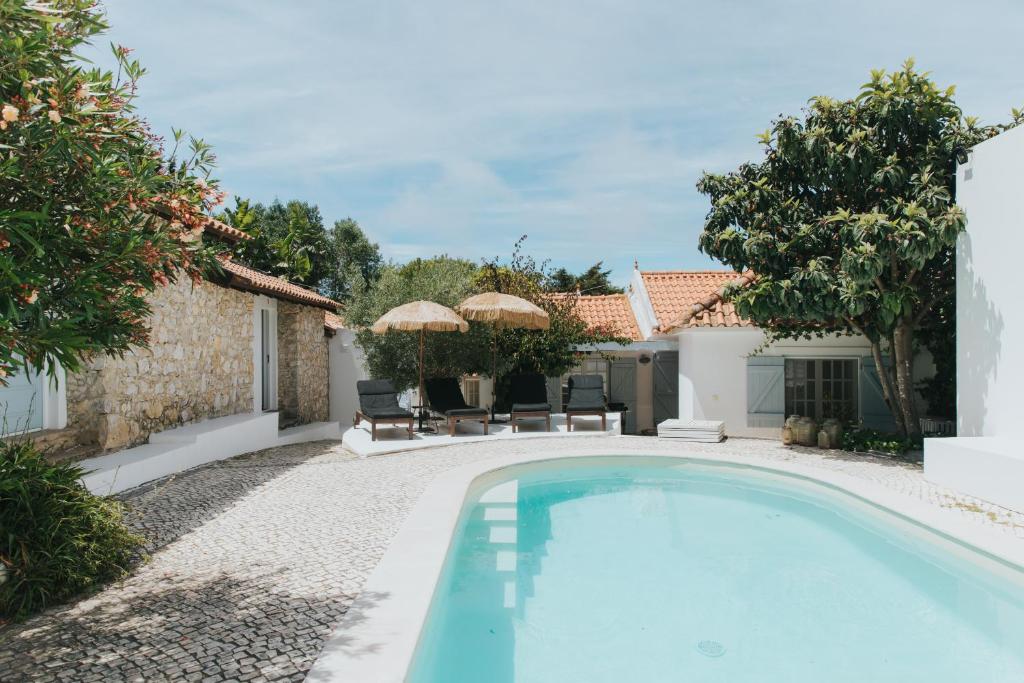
x: 255, y: 559
x: 395, y: 439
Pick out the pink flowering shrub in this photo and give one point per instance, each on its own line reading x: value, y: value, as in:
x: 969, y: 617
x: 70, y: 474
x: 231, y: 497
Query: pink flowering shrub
x: 82, y: 180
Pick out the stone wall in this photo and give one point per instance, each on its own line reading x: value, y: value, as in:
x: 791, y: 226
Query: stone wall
x: 302, y: 364
x: 199, y: 365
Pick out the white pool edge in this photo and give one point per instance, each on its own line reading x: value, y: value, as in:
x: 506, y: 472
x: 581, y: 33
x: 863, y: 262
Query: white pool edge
x: 376, y: 640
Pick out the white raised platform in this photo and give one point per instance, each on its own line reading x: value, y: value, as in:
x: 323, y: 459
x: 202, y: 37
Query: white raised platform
x: 990, y: 468
x: 182, y: 448
x: 393, y: 440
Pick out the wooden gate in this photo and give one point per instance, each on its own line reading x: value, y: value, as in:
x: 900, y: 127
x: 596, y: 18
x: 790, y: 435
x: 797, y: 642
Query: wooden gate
x: 622, y: 389
x: 666, y: 386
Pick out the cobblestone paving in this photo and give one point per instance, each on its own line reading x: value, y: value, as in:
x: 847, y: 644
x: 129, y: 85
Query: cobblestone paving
x: 256, y: 558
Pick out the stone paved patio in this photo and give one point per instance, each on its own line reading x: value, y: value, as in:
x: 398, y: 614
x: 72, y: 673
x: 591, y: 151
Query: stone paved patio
x: 256, y: 558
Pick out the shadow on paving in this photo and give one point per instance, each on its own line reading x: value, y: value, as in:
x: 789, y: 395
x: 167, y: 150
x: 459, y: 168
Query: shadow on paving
x: 224, y: 628
x: 908, y: 461
x: 167, y: 509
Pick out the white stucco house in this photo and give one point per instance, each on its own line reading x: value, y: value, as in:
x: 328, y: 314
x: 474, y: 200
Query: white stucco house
x: 987, y: 457
x: 693, y: 357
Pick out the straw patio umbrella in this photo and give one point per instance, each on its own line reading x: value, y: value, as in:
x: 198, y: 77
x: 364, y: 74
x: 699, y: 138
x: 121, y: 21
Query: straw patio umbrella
x: 503, y: 311
x: 422, y: 316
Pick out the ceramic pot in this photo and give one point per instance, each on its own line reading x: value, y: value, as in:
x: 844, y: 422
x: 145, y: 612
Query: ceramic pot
x: 834, y: 428
x: 823, y: 439
x: 806, y: 431
x: 787, y: 435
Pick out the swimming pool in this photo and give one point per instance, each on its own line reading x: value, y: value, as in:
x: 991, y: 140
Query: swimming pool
x: 612, y: 570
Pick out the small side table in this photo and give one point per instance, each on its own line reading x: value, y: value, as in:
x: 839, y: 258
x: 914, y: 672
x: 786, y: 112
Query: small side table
x: 622, y: 409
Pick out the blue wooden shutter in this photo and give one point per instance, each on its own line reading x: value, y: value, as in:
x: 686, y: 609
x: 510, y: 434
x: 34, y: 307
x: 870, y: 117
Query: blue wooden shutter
x: 874, y: 412
x: 766, y: 391
x: 622, y: 389
x: 665, y: 370
x: 21, y: 402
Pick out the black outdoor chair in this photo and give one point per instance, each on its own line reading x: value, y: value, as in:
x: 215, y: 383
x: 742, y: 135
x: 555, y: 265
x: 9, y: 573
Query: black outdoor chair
x: 529, y: 399
x: 378, y: 402
x: 586, y: 397
x: 445, y: 397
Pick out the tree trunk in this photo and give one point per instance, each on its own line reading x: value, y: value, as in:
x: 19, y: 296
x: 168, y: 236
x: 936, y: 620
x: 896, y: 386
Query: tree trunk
x: 889, y: 393
x: 903, y: 352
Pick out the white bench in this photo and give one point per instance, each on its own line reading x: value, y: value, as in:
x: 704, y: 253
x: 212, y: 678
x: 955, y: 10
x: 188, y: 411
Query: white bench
x: 175, y: 450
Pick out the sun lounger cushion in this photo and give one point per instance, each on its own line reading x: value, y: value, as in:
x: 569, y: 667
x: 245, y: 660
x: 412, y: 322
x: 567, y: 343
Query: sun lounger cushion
x: 378, y: 399
x: 445, y: 397
x: 531, y: 407
x: 453, y: 412
x: 586, y: 392
x: 529, y: 393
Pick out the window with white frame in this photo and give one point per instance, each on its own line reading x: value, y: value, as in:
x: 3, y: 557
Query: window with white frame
x: 822, y: 388
x: 471, y: 390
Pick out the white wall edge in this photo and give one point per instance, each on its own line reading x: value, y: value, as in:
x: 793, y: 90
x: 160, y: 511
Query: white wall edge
x: 176, y: 450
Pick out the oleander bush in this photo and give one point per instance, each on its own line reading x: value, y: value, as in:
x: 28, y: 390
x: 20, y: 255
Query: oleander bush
x: 57, y: 540
x: 97, y: 211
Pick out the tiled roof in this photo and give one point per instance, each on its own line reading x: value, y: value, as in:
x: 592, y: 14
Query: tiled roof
x: 693, y: 298
x: 333, y: 322
x: 210, y: 224
x: 224, y: 230
x: 242, y: 277
x: 610, y: 312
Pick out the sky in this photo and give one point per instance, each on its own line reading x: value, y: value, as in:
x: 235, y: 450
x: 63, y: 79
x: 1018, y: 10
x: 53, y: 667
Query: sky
x: 458, y: 126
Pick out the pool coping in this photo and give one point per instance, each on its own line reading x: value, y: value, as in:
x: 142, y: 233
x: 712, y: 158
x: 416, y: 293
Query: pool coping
x: 377, y: 639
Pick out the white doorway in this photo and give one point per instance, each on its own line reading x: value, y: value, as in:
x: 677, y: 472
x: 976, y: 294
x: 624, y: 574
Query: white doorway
x: 265, y: 355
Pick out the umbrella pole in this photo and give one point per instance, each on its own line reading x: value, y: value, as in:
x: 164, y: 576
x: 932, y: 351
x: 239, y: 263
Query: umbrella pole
x: 421, y: 396
x: 494, y: 371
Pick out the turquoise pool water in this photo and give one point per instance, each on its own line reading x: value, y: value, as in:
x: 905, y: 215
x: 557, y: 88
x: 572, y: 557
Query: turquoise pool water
x: 612, y: 571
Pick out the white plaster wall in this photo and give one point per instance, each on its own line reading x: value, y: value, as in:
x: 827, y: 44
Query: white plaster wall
x: 990, y: 309
x: 347, y: 366
x: 713, y: 371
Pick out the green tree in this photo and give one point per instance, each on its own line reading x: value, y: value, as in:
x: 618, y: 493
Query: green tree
x: 849, y: 220
x: 357, y: 261
x: 449, y: 281
x: 395, y: 355
x: 289, y: 240
x: 594, y: 280
x: 81, y: 178
x: 551, y: 352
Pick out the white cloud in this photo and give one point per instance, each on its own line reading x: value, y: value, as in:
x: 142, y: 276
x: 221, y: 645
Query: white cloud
x: 458, y: 126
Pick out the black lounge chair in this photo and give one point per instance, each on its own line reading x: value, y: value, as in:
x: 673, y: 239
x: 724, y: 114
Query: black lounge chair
x: 529, y: 399
x: 586, y: 397
x: 378, y: 402
x: 445, y: 397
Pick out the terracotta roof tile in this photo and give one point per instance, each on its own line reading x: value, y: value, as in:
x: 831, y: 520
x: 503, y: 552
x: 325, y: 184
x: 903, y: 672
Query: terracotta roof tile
x: 693, y: 298
x: 210, y: 224
x: 333, y: 321
x: 224, y: 230
x: 610, y: 312
x: 245, y: 278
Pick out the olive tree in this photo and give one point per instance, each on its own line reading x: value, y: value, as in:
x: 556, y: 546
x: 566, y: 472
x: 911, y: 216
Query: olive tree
x: 849, y: 220
x: 395, y: 355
